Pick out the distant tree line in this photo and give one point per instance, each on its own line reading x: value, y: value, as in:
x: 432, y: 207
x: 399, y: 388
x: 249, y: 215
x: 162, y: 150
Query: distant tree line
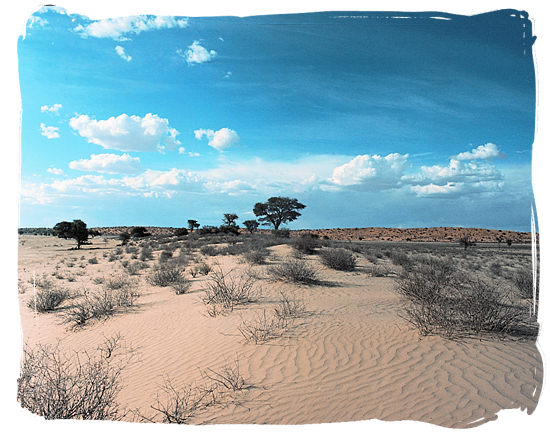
x: 275, y: 212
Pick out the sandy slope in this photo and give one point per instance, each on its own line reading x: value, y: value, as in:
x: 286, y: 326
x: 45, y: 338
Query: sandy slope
x: 350, y: 358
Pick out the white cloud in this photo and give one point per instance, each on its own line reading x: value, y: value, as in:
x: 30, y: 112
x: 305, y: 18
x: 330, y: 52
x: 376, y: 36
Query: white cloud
x: 228, y: 74
x: 457, y: 172
x: 454, y: 190
x: 370, y: 172
x: 86, y: 183
x: 108, y: 163
x: 120, y: 51
x: 168, y: 184
x: 466, y: 173
x: 51, y: 108
x: 231, y: 178
x: 323, y: 172
x: 55, y: 171
x: 49, y: 132
x: 117, y: 28
x: 220, y: 139
x: 432, y: 189
x: 128, y: 133
x: 270, y: 177
x: 35, y: 194
x: 193, y: 154
x: 486, y: 152
x: 36, y: 21
x: 196, y: 53
x: 55, y: 9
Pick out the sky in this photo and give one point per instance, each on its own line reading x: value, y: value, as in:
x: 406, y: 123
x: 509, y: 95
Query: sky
x: 369, y: 119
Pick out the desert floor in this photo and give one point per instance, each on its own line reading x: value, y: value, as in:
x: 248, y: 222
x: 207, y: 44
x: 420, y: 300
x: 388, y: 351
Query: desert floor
x: 349, y: 356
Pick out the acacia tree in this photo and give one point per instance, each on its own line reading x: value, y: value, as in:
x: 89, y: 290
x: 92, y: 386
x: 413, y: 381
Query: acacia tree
x: 251, y: 225
x: 72, y: 230
x: 192, y: 224
x: 229, y: 219
x: 278, y: 210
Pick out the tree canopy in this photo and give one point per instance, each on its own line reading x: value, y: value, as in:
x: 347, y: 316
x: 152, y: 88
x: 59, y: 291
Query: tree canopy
x: 278, y: 210
x: 251, y: 225
x: 192, y: 224
x: 72, y: 230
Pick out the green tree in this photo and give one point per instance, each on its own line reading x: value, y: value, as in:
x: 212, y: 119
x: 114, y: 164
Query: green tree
x: 192, y: 224
x: 277, y: 211
x: 251, y: 225
x: 76, y: 230
x: 229, y: 219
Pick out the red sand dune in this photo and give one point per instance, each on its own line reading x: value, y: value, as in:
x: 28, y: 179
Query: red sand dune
x: 435, y: 234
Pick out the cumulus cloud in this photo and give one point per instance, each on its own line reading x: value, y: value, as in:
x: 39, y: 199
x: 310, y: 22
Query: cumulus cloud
x: 51, y: 108
x: 153, y: 179
x: 108, y: 163
x: 117, y: 28
x: 466, y: 173
x: 334, y: 173
x: 128, y: 133
x: 369, y: 172
x: 196, y: 53
x: 193, y: 154
x: 55, y: 171
x: 456, y: 172
x: 120, y: 51
x: 230, y: 178
x: 484, y: 152
x: 219, y: 139
x: 49, y: 132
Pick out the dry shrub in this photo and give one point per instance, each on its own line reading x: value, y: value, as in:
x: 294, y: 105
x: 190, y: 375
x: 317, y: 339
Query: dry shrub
x: 224, y: 291
x: 379, y: 271
x: 180, y: 405
x: 229, y: 377
x: 294, y: 270
x: 101, y: 304
x: 400, y: 259
x: 256, y: 256
x: 166, y: 275
x: 523, y: 281
x: 146, y: 253
x: 84, y: 386
x: 338, y: 259
x: 305, y: 244
x: 165, y: 255
x: 441, y: 300
x: 47, y: 298
x: 204, y: 268
x: 181, y: 287
x: 209, y: 250
x: 289, y: 308
x: 262, y: 327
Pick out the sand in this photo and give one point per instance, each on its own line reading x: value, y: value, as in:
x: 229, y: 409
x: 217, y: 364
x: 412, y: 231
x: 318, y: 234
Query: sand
x: 350, y: 357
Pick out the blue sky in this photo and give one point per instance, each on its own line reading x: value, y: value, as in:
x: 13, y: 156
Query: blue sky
x: 366, y: 119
